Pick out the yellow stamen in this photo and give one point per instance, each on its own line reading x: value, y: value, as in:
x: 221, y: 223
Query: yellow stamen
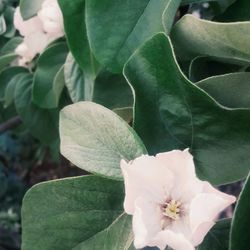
x: 172, y: 209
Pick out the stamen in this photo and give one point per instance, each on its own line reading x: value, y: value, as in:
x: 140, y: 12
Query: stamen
x: 172, y: 209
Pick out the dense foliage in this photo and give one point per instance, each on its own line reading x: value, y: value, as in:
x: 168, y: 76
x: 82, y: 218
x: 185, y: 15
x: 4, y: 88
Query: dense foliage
x: 125, y: 78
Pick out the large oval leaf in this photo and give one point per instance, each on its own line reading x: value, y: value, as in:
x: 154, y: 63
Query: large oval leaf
x: 64, y: 213
x: 171, y: 112
x: 96, y: 139
x: 128, y: 25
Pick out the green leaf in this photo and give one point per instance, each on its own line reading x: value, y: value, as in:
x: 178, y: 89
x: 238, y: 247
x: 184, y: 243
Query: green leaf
x: 231, y: 90
x: 9, y: 93
x: 42, y: 123
x: 112, y: 91
x: 9, y: 19
x: 169, y: 14
x: 6, y: 76
x: 2, y: 25
x: 239, y: 236
x: 78, y: 89
x: 238, y: 11
x: 58, y: 84
x: 132, y: 23
x: 125, y: 113
x: 194, y: 37
x: 118, y: 236
x: 75, y: 29
x: 11, y: 45
x: 3, y: 182
x: 6, y: 59
x: 107, y: 89
x: 64, y: 213
x: 29, y: 8
x: 45, y: 94
x: 218, y: 237
x: 203, y: 67
x: 171, y: 113
x: 96, y: 139
x: 186, y: 2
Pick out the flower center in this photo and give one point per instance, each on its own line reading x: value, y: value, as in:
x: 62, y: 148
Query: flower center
x: 172, y: 209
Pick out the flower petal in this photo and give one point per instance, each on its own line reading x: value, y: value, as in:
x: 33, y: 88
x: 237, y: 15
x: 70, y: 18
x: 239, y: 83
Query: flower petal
x: 182, y: 165
x: 204, y: 209
x: 146, y: 222
x: 51, y: 18
x: 147, y: 178
x: 176, y: 241
x: 37, y: 42
x: 27, y: 27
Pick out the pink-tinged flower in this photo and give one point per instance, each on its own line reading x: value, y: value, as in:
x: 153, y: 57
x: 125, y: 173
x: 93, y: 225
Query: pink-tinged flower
x: 31, y: 46
x: 170, y: 205
x: 28, y: 27
x: 52, y: 19
x: 39, y: 31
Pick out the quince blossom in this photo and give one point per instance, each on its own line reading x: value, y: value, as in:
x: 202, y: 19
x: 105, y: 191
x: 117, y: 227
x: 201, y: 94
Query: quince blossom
x: 51, y: 17
x: 170, y: 205
x: 38, y: 31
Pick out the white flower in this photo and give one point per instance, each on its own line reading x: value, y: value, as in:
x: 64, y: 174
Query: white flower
x: 31, y: 46
x: 52, y: 19
x: 38, y: 31
x: 170, y: 205
x: 28, y: 27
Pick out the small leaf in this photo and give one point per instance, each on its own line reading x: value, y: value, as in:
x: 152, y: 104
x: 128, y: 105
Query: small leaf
x: 239, y: 237
x: 42, y: 123
x: 11, y: 45
x: 2, y: 25
x: 96, y: 139
x: 6, y: 59
x: 78, y: 89
x: 29, y: 8
x: 6, y: 76
x: 9, y: 19
x: 45, y: 94
x: 9, y: 93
